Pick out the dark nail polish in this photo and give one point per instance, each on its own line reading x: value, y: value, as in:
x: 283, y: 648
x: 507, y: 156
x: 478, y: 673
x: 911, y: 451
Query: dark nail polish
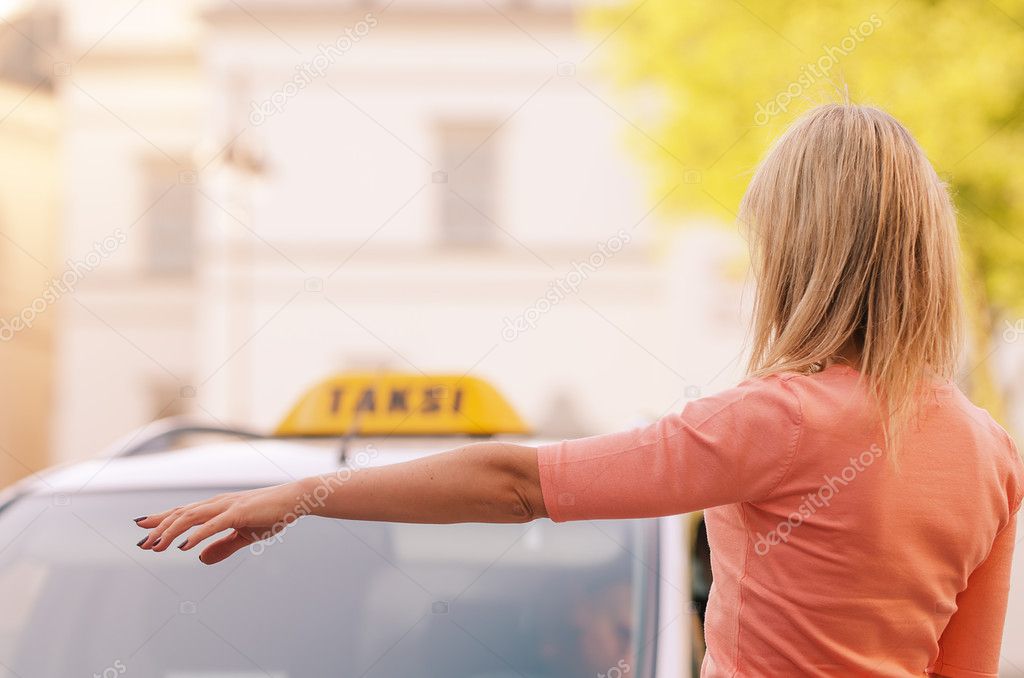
x: 182, y: 544
x: 142, y: 541
x: 140, y: 519
x: 156, y: 543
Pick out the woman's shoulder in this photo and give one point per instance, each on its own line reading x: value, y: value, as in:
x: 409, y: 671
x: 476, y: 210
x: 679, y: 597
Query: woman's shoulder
x: 1003, y: 454
x: 1007, y: 454
x: 984, y: 424
x: 826, y: 389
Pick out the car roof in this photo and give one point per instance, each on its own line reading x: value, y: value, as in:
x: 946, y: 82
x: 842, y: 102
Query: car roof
x: 235, y: 463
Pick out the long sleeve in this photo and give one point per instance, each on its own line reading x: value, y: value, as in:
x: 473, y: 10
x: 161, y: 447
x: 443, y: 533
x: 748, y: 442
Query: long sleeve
x: 970, y: 645
x: 730, y: 447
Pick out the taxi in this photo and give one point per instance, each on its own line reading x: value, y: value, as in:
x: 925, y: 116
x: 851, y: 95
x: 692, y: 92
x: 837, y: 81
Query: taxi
x: 608, y: 599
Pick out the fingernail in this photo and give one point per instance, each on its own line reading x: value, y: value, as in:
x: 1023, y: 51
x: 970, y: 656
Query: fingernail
x: 140, y: 519
x: 142, y: 541
x: 182, y: 544
x: 157, y: 542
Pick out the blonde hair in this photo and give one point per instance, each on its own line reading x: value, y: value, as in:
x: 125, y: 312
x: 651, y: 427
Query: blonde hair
x: 854, y: 244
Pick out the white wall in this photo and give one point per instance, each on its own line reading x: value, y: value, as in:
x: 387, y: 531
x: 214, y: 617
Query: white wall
x: 269, y: 310
x: 335, y: 184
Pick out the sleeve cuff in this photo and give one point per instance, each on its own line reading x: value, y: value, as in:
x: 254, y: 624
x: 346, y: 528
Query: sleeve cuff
x: 554, y: 500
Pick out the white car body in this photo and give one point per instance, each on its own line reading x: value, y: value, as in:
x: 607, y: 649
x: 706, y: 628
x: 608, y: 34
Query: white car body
x: 216, y: 465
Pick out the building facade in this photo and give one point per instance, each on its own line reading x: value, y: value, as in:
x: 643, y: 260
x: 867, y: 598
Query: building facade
x: 301, y: 188
x: 30, y: 126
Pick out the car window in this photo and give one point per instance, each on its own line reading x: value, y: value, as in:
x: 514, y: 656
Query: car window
x: 325, y: 598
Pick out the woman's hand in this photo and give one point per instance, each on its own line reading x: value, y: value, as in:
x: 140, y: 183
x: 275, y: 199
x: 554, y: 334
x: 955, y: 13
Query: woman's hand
x: 493, y: 482
x: 252, y: 516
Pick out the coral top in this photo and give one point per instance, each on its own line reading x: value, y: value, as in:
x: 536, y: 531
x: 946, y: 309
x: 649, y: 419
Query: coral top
x: 827, y: 561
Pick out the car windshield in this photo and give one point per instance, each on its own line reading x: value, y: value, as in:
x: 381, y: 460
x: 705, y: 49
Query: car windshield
x: 325, y: 598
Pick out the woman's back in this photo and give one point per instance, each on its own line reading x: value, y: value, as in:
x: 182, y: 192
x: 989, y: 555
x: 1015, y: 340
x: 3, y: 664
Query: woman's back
x: 828, y: 559
x: 852, y: 566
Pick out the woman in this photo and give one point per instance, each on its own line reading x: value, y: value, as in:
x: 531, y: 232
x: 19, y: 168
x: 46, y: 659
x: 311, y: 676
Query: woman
x: 860, y: 508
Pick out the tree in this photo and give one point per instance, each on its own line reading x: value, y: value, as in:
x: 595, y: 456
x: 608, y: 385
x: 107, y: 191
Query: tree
x: 733, y: 74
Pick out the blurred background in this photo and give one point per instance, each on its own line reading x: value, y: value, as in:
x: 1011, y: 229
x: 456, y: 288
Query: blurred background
x: 207, y: 206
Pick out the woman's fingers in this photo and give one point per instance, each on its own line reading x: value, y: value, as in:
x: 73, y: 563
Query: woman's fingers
x: 151, y: 521
x: 164, y: 519
x: 224, y: 547
x: 177, y: 521
x: 185, y: 521
x: 206, y: 530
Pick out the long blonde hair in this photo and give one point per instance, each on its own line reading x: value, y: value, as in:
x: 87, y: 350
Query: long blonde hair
x: 854, y: 244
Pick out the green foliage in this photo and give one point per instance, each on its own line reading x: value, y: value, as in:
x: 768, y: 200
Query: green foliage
x: 951, y: 70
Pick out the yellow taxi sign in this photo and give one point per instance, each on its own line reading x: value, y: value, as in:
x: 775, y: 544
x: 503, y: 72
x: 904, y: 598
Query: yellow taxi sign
x: 401, y: 404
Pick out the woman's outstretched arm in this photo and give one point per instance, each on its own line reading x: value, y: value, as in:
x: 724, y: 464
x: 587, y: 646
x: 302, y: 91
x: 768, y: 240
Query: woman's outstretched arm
x: 484, y: 482
x: 731, y: 447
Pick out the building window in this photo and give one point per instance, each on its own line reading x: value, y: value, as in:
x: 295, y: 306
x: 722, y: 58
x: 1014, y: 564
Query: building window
x: 468, y: 182
x: 169, y: 194
x: 29, y: 35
